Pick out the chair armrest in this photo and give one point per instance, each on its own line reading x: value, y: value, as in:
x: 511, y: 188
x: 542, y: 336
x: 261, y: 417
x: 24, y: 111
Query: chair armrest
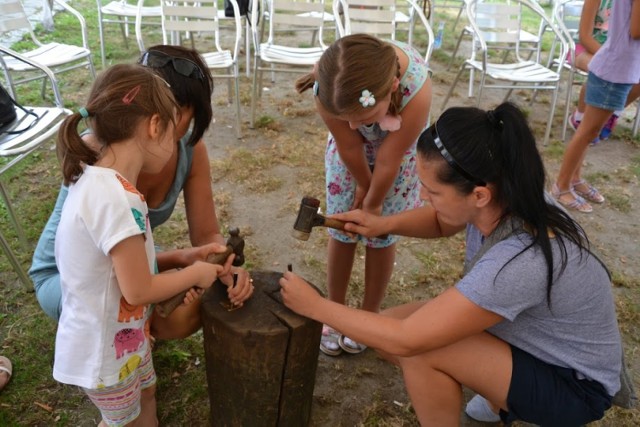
x: 43, y: 68
x: 78, y: 15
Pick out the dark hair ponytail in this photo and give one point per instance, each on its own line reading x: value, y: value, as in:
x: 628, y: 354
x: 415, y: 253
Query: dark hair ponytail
x: 498, y: 147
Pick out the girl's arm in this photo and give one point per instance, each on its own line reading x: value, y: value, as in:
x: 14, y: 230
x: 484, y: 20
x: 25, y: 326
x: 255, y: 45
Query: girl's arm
x: 634, y: 26
x: 441, y: 321
x: 587, y: 21
x: 349, y: 145
x: 391, y: 152
x: 139, y: 286
x: 421, y: 222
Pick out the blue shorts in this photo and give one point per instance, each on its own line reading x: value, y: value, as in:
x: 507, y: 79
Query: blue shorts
x: 606, y: 95
x: 549, y: 395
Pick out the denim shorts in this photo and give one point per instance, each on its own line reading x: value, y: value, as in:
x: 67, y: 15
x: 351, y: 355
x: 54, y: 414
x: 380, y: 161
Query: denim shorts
x: 606, y: 95
x: 548, y: 395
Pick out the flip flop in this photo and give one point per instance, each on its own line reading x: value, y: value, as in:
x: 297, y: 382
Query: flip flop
x: 350, y: 346
x: 5, y: 366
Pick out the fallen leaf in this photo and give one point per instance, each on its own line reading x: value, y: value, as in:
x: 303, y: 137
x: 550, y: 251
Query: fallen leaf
x: 45, y: 407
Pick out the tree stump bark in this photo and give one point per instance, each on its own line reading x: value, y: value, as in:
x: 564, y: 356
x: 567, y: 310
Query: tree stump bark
x: 261, y: 358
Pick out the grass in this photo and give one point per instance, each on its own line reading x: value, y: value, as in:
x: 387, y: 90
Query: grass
x: 27, y: 335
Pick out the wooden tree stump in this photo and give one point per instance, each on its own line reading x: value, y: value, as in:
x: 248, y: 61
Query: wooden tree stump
x: 261, y: 358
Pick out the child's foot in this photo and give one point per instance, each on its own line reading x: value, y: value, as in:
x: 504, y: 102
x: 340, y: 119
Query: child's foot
x: 575, y: 122
x: 587, y: 191
x: 5, y: 371
x: 605, y: 133
x: 569, y: 199
x: 350, y: 346
x: 329, y: 341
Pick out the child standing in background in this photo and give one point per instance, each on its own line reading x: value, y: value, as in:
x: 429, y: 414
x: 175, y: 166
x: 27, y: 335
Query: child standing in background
x: 594, y: 27
x: 374, y: 97
x: 104, y: 247
x: 613, y: 83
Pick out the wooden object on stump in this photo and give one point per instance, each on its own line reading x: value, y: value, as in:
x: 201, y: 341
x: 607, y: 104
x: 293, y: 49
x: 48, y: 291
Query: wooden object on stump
x: 261, y: 358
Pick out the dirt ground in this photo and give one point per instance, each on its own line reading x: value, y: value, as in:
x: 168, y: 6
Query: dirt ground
x: 351, y: 389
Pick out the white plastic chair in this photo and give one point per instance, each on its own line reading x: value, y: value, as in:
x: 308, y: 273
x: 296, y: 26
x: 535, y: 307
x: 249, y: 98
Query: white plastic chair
x: 530, y: 40
x: 280, y: 53
x: 31, y: 129
x: 125, y: 13
x: 496, y: 27
x: 57, y: 57
x: 197, y: 19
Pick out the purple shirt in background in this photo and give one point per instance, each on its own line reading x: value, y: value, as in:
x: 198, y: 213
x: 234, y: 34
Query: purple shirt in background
x: 618, y: 60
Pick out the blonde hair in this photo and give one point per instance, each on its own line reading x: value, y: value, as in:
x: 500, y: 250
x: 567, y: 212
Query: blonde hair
x: 349, y: 66
x: 121, y: 98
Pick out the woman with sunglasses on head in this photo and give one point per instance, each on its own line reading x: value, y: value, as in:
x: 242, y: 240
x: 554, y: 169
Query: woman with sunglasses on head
x: 187, y: 171
x: 531, y: 326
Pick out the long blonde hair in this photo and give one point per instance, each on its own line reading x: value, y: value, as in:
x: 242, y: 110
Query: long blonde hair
x: 349, y: 66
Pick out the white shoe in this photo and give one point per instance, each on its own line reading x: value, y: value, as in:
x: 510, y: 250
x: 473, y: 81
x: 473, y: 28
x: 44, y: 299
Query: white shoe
x: 478, y: 408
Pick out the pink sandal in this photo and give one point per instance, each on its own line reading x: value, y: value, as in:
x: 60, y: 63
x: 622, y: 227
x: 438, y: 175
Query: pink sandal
x: 578, y: 203
x: 592, y: 194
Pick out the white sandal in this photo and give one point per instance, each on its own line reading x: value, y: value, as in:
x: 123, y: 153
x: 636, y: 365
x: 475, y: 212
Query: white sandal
x: 350, y: 346
x: 329, y: 344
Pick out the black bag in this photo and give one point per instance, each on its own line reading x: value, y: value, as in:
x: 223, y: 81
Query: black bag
x: 243, y: 5
x: 8, y: 114
x: 7, y: 109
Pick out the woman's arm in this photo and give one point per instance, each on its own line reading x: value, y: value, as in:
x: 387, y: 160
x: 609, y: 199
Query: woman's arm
x: 441, y: 321
x: 587, y: 21
x: 139, y: 286
x: 421, y: 222
x: 391, y: 152
x: 198, y: 198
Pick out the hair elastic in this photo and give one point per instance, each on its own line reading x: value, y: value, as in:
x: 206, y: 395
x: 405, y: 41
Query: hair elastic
x: 83, y: 112
x: 450, y: 160
x: 316, y: 87
x: 367, y: 99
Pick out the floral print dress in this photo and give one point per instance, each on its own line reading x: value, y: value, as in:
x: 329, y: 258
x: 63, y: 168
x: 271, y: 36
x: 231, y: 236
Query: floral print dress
x: 404, y: 194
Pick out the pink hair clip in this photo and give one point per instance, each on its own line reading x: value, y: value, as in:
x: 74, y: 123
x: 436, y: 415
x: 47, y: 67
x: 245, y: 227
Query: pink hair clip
x: 130, y: 96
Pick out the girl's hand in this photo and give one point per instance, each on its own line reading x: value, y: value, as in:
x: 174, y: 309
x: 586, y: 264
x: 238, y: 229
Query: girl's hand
x: 192, y: 295
x: 358, y: 197
x: 362, y: 222
x: 243, y: 289
x: 208, y: 273
x: 200, y: 253
x: 297, y: 294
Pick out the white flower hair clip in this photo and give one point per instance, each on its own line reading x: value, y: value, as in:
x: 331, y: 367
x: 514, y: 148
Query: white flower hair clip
x: 367, y: 99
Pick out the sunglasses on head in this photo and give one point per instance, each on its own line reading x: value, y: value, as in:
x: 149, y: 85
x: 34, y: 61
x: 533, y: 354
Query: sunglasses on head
x: 182, y: 66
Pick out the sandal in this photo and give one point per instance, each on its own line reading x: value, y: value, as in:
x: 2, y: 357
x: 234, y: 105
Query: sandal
x: 329, y: 341
x: 578, y: 203
x: 350, y: 346
x: 5, y: 367
x: 592, y: 194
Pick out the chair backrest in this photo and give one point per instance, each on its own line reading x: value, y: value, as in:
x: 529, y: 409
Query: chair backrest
x: 499, y: 25
x: 196, y: 17
x: 291, y: 15
x: 14, y: 18
x: 375, y: 17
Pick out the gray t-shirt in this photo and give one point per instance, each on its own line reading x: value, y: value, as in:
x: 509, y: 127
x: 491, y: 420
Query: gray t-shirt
x: 579, y: 331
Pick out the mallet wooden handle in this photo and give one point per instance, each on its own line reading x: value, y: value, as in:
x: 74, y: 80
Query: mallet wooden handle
x: 165, y: 308
x: 334, y: 223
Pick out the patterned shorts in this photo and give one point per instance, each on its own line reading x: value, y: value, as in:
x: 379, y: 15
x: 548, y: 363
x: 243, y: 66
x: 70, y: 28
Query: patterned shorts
x: 119, y: 404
